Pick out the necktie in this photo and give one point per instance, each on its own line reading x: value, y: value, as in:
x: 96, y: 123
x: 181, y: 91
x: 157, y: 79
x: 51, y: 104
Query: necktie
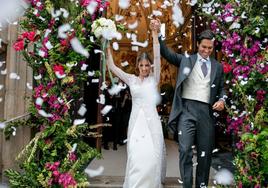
x: 204, y: 68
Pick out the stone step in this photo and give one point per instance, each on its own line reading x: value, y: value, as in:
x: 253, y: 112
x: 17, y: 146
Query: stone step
x: 117, y: 182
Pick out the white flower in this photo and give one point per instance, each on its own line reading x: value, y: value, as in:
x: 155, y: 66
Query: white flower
x: 105, y: 28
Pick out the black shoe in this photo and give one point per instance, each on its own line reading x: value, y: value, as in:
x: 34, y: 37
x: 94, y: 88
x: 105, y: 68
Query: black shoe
x: 115, y: 148
x: 121, y: 143
x: 106, y: 147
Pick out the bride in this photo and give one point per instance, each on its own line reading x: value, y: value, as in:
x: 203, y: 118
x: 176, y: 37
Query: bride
x: 145, y: 148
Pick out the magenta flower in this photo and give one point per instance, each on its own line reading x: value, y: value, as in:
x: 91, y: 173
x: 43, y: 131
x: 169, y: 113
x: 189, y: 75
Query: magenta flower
x: 18, y: 45
x: 66, y: 180
x: 72, y: 156
x: 240, y: 145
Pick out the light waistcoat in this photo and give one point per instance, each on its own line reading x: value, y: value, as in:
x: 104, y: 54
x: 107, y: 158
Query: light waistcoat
x: 196, y: 86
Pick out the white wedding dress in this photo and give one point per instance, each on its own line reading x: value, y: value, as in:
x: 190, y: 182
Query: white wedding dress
x: 146, y: 165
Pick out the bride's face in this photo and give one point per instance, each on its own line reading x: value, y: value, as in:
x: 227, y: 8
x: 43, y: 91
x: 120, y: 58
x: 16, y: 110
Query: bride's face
x: 144, y: 68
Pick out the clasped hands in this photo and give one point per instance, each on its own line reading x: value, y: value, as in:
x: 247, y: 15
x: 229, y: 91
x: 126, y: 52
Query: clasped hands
x: 155, y: 25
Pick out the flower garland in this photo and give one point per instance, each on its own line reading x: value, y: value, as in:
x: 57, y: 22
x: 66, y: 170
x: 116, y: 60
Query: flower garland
x: 241, y: 28
x: 56, y: 42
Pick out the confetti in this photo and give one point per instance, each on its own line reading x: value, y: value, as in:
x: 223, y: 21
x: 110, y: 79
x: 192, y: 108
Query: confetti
x: 93, y: 173
x: 77, y: 47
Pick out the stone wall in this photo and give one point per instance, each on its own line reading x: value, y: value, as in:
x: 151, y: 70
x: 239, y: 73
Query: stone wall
x: 14, y: 101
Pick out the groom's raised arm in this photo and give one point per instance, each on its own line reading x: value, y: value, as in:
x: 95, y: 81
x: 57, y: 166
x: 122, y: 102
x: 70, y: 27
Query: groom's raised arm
x: 168, y: 54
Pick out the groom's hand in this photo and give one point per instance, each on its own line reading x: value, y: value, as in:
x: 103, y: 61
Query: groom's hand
x: 219, y: 105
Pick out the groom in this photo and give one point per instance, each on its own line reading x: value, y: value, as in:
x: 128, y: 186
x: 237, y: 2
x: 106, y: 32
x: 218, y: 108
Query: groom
x: 199, y: 90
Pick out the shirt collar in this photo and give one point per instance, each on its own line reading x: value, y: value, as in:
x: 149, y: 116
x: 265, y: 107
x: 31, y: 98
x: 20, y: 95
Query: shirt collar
x: 199, y: 57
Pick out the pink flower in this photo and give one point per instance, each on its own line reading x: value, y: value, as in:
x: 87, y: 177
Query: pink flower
x: 29, y: 35
x: 18, y: 45
x: 56, y: 173
x: 226, y: 67
x: 240, y: 145
x: 66, y: 180
x: 85, y: 3
x: 72, y: 156
x: 59, y: 69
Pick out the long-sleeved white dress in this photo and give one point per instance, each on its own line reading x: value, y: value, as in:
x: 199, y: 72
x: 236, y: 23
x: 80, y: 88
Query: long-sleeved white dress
x: 146, y: 165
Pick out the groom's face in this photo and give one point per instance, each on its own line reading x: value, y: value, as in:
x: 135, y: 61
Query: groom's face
x: 205, y: 48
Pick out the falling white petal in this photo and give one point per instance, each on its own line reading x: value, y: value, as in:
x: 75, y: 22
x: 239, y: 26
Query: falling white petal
x: 118, y: 17
x: 78, y: 47
x: 243, y: 15
x: 56, y: 13
x: 122, y: 85
x: 41, y: 53
x: 224, y: 177
x: 93, y: 173
x: 60, y: 76
x: 115, y: 46
x: 177, y: 16
x: 2, y: 125
x: 135, y: 48
x: 48, y: 31
x: 192, y: 2
x: 38, y: 77
x: 74, y: 147
x: 39, y: 101
x: 186, y: 54
x: 1, y: 63
x: 157, y: 13
x: 203, y: 154
x: 114, y: 90
x: 103, y: 86
x: 92, y: 6
x: 141, y: 44
x: 63, y: 29
x: 235, y: 25
x: 106, y: 109
x: 91, y: 38
x: 4, y: 72
x: 13, y: 76
x: 82, y: 110
x: 84, y: 67
x: 79, y: 121
x: 180, y: 181
x: 96, y: 51
x: 124, y: 4
x: 49, y: 45
x: 64, y: 12
x: 128, y: 35
x: 71, y: 64
x: 215, y: 150
x: 146, y: 5
x: 96, y: 80
x: 186, y: 70
x: 101, y: 99
x: 44, y: 114
x: 133, y: 25
x: 124, y: 64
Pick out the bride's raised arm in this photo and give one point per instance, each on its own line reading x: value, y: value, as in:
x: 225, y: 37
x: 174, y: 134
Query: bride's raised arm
x: 117, y: 71
x: 156, y: 50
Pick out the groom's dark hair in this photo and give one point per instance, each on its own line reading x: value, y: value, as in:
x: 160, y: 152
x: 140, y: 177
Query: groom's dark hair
x: 206, y: 34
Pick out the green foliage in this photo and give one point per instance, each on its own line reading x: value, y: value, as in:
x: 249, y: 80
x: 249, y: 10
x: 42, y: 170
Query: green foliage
x: 58, y: 154
x: 245, y: 63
